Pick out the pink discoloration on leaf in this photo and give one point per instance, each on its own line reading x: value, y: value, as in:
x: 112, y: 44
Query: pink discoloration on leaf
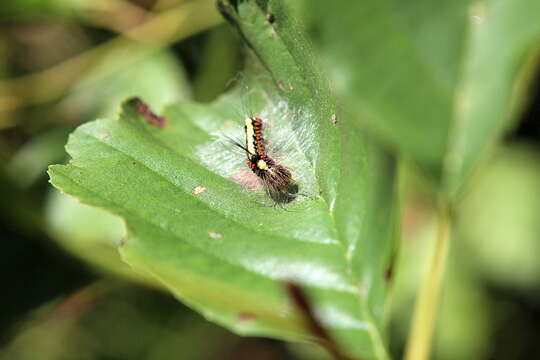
x: 247, y: 179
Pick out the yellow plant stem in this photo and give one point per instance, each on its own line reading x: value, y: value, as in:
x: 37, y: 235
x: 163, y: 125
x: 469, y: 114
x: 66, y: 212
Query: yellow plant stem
x: 425, y: 312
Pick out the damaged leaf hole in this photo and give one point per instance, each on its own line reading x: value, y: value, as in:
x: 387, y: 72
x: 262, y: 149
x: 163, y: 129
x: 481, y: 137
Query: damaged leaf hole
x: 152, y: 118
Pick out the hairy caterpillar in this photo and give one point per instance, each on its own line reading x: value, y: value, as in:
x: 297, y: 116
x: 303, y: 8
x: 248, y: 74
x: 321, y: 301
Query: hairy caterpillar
x: 276, y: 179
x: 276, y: 134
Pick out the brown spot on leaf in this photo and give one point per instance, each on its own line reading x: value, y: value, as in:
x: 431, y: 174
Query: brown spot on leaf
x: 144, y: 110
x: 198, y: 190
x: 133, y: 163
x: 334, y: 119
x: 245, y: 317
x: 390, y: 271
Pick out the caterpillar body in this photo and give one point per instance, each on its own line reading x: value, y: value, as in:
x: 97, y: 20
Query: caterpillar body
x: 276, y: 179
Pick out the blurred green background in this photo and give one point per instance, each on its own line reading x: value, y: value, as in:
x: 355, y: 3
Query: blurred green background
x: 67, y: 295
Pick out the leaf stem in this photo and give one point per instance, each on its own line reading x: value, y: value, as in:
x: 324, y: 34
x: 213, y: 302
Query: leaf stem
x: 425, y: 312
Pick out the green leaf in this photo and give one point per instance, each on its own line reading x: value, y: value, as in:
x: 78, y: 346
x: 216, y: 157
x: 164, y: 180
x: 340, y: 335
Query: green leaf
x: 492, y: 80
x: 93, y: 234
x: 437, y: 81
x: 221, y: 248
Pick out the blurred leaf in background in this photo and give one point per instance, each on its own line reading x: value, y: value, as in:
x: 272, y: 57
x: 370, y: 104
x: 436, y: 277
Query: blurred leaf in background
x: 440, y: 84
x: 504, y: 241
x: 439, y: 89
x: 493, y: 268
x: 114, y: 321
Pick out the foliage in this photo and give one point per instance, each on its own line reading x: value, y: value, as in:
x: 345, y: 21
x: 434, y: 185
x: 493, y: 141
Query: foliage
x: 351, y: 92
x: 220, y: 251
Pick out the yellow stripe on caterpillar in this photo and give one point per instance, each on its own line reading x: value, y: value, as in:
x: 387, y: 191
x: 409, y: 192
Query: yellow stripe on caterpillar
x: 250, y: 135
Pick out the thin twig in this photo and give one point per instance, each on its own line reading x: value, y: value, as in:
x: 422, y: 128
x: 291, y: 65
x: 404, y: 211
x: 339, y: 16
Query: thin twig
x: 116, y: 15
x: 427, y: 304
